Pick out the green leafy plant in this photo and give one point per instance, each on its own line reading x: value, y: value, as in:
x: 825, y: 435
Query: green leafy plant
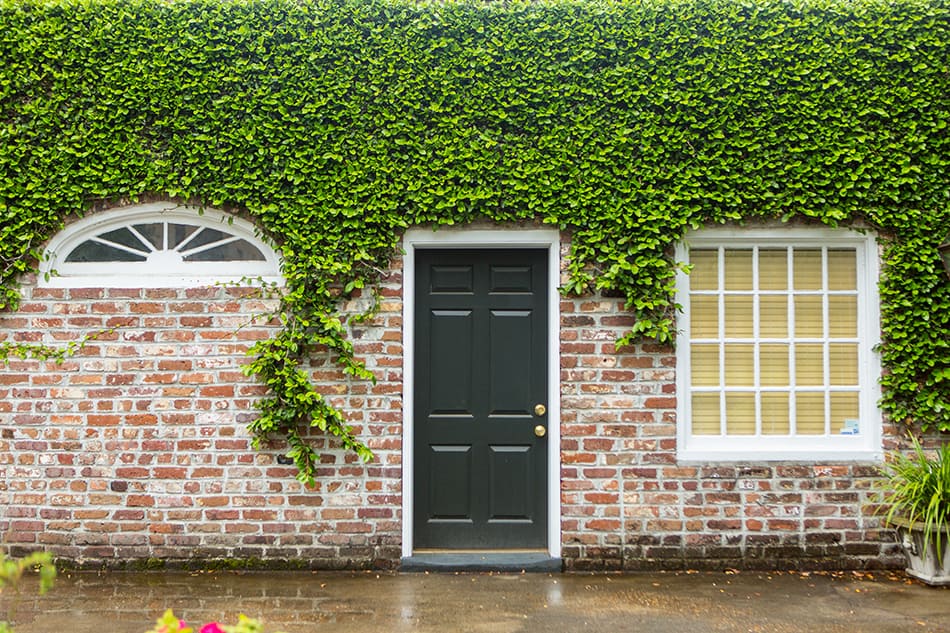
x: 23, y: 351
x: 168, y: 623
x: 337, y: 124
x: 11, y: 576
x: 917, y: 491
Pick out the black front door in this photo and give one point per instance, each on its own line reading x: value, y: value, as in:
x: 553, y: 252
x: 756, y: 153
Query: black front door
x: 480, y: 474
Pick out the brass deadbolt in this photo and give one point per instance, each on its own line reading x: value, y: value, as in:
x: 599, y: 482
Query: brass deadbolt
x: 540, y: 409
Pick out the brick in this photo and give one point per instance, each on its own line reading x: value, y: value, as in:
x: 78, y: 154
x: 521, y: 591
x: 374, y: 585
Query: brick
x: 195, y: 322
x: 214, y: 502
x: 128, y: 515
x: 167, y: 472
x: 222, y: 515
x: 132, y: 473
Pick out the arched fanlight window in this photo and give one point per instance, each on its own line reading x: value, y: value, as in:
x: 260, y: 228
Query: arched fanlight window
x: 157, y: 245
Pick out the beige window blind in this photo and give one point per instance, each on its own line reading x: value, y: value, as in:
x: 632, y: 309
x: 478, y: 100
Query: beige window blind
x: 773, y: 340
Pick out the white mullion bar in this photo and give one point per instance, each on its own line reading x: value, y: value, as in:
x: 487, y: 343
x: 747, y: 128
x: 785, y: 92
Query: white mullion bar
x: 121, y: 247
x: 208, y: 247
x: 721, y: 298
x: 790, y: 305
x: 165, y: 236
x: 825, y: 345
x: 756, y: 357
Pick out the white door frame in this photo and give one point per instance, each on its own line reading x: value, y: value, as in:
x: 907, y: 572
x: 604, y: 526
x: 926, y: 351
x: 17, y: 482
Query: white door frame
x: 501, y: 238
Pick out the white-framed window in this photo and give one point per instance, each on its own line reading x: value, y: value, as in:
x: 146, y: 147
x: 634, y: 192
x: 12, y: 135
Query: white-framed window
x: 776, y: 345
x: 157, y: 245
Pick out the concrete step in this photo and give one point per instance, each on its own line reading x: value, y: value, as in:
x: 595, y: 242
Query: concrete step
x: 478, y: 561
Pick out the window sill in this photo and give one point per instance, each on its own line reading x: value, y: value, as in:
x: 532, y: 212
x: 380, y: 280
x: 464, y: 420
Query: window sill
x: 811, y: 456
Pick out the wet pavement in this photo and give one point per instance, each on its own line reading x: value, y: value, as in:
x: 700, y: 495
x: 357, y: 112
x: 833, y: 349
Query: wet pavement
x: 300, y: 602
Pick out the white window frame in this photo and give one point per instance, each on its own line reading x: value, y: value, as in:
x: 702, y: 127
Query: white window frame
x: 55, y: 272
x: 863, y: 446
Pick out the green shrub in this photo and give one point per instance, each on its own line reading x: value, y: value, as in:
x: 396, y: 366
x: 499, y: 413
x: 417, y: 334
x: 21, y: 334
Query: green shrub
x: 917, y: 489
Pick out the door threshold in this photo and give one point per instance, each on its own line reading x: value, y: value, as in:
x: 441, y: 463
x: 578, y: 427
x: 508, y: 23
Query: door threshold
x: 510, y: 561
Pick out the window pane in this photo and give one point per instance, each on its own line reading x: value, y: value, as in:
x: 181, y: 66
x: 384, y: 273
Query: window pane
x: 704, y: 316
x: 775, y: 413
x: 810, y: 413
x: 809, y: 365
x: 154, y: 233
x: 740, y: 366
x: 844, y: 407
x: 842, y: 269
x: 125, y: 237
x: 178, y: 233
x: 237, y: 251
x: 740, y: 413
x: 773, y: 365
x: 738, y: 316
x: 206, y: 236
x: 738, y: 269
x: 773, y: 316
x: 843, y: 316
x: 807, y: 270
x: 704, y: 360
x: 843, y: 364
x: 773, y: 269
x: 90, y: 251
x: 705, y: 414
x: 705, y: 272
x: 808, y: 316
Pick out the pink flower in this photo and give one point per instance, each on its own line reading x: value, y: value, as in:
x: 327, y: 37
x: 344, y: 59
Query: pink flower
x: 211, y: 627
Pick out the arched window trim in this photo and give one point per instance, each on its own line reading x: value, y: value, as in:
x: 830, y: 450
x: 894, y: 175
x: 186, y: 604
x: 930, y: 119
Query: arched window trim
x: 56, y: 272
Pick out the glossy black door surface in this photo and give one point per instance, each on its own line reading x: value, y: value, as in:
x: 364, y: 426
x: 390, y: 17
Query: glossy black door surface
x: 480, y: 371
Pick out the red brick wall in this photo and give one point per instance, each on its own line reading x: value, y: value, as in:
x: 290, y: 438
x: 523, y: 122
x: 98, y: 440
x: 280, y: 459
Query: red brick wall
x: 136, y: 448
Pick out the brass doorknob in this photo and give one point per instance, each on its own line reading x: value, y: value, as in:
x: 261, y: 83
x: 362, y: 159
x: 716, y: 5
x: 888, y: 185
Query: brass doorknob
x: 540, y: 430
x: 540, y: 409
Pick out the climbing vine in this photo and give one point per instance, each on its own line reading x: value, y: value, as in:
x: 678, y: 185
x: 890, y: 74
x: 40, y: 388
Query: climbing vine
x: 336, y: 124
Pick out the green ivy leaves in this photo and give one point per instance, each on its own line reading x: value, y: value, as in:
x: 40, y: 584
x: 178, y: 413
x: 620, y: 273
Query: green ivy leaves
x: 339, y: 123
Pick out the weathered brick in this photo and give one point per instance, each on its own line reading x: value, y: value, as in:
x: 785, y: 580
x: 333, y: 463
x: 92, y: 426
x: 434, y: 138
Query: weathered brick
x: 140, y: 500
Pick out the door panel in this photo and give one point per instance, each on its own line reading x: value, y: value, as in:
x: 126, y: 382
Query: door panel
x: 511, y: 279
x: 510, y: 483
x: 449, y: 493
x: 451, y: 382
x: 480, y: 477
x: 510, y: 362
x: 452, y: 279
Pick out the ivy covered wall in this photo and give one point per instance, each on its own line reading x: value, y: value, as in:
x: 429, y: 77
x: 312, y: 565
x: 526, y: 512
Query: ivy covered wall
x: 336, y: 124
